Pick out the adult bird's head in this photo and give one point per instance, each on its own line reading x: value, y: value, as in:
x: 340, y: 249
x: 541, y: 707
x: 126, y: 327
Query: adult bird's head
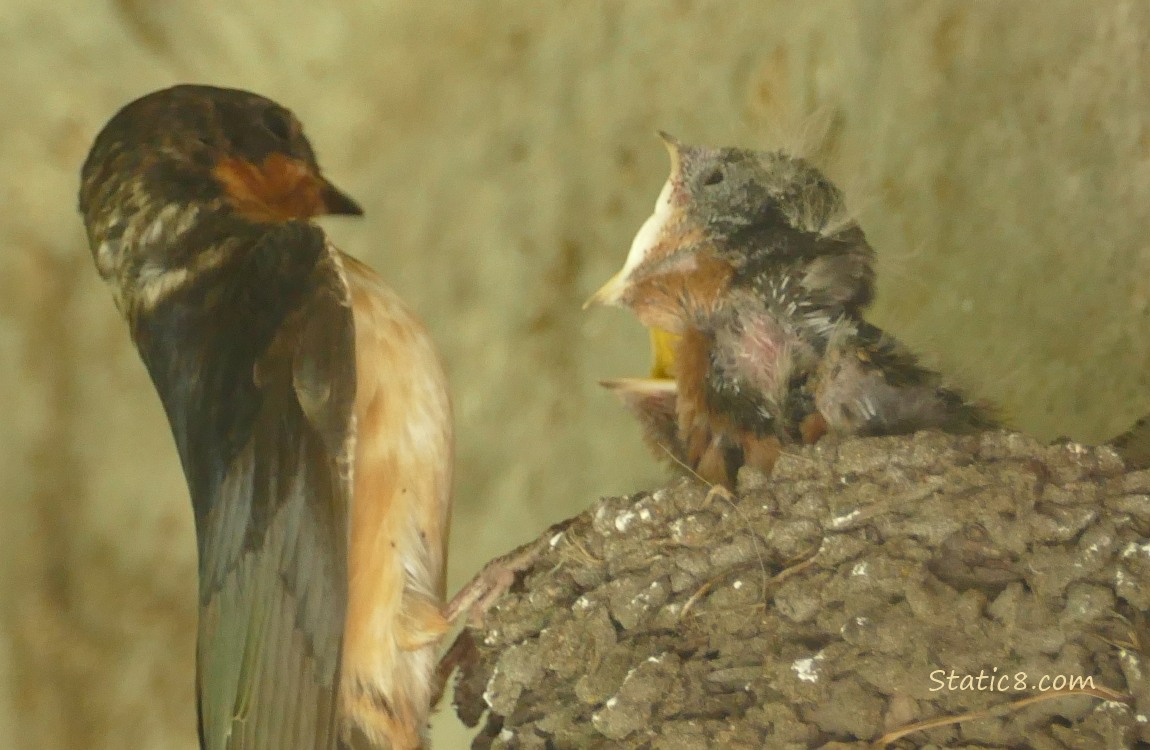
x: 168, y: 158
x: 731, y: 218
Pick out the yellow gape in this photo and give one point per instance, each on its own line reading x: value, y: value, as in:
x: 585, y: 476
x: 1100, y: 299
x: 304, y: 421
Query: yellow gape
x: 663, y: 347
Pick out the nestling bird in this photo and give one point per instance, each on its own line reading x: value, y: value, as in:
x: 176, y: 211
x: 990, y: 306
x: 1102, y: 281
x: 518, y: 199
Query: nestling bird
x: 311, y: 416
x: 754, y: 275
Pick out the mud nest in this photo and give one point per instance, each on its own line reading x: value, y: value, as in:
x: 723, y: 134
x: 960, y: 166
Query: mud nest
x: 851, y: 600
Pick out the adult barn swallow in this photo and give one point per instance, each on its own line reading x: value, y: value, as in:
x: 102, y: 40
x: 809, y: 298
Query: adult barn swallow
x: 754, y: 275
x: 311, y: 416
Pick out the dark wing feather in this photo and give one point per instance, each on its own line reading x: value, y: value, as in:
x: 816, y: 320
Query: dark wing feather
x: 914, y: 397
x: 255, y: 364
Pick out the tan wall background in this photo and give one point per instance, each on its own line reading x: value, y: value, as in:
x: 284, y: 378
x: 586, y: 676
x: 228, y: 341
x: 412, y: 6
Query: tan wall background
x: 998, y: 153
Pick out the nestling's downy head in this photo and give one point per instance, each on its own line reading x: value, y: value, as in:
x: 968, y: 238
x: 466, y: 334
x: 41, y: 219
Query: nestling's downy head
x: 728, y: 215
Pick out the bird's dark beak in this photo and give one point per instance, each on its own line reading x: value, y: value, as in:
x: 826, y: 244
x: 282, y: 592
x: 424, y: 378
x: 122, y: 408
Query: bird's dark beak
x: 336, y: 202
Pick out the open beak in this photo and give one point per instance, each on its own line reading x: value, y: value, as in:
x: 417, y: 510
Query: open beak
x: 650, y: 234
x: 642, y: 390
x: 611, y: 292
x: 336, y: 202
x: 664, y: 346
x: 652, y: 401
x: 654, y: 404
x: 674, y: 150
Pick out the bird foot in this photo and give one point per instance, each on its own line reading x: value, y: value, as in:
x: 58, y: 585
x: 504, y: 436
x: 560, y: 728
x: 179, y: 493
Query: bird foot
x: 477, y: 597
x: 718, y: 491
x: 497, y: 576
x: 460, y: 655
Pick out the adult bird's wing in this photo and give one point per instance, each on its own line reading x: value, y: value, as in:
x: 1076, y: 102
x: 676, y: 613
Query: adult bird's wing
x: 255, y: 363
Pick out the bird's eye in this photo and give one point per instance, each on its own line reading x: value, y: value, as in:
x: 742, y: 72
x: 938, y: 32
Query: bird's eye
x: 714, y: 178
x: 277, y: 123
